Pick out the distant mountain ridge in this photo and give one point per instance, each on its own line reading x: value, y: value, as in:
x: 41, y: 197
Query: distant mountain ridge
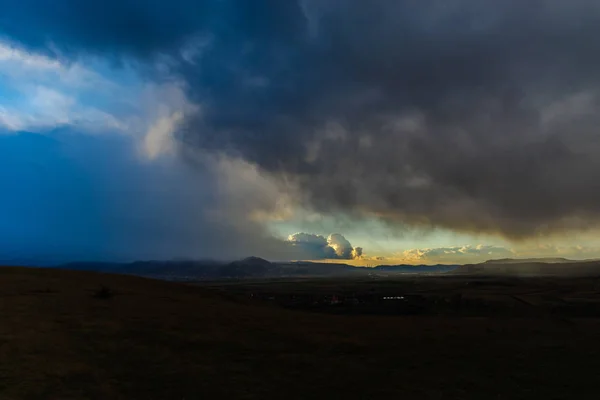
x: 556, y: 260
x: 248, y: 268
x: 415, y: 268
x: 258, y: 268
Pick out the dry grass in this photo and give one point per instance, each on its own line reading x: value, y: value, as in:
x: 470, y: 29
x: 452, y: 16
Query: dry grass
x: 160, y: 340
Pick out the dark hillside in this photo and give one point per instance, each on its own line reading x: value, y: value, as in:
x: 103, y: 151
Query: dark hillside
x: 84, y: 335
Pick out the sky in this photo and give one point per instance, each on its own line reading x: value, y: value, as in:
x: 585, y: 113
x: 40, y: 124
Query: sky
x: 388, y: 131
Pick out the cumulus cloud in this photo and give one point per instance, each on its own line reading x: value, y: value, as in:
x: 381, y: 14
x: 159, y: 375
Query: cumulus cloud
x: 575, y: 251
x: 340, y: 245
x: 457, y: 254
x: 336, y: 246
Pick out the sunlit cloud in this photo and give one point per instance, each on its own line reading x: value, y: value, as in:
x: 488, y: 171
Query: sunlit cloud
x: 19, y: 64
x: 454, y: 255
x: 43, y: 93
x: 574, y: 251
x: 39, y: 92
x: 334, y: 247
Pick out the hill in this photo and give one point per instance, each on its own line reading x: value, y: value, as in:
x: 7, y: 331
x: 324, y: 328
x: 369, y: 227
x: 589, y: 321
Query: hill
x: 251, y: 267
x: 146, y: 339
x: 533, y: 267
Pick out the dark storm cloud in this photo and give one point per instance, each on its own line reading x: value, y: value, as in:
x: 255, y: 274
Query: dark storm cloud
x: 471, y: 115
x: 142, y: 27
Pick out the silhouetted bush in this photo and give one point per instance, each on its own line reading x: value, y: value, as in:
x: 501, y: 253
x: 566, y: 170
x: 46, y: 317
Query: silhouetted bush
x: 104, y: 293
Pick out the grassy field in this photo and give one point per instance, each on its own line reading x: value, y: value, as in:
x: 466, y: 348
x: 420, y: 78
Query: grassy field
x: 159, y: 340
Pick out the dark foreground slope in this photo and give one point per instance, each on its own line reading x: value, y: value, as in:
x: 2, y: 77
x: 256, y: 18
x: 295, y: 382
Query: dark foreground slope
x: 161, y: 340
